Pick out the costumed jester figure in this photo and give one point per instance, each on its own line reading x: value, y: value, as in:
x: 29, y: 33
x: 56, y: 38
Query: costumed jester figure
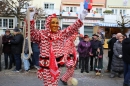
x: 70, y: 58
x: 51, y: 43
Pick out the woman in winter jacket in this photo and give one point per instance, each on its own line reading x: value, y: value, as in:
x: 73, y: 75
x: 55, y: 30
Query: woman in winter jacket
x: 84, y: 49
x: 117, y: 61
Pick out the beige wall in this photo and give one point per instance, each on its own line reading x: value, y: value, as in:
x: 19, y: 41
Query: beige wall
x: 40, y: 3
x: 117, y: 2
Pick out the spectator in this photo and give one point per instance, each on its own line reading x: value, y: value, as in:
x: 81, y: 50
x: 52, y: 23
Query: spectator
x: 96, y: 45
x: 35, y: 56
x: 7, y: 49
x: 84, y: 49
x: 126, y: 59
x: 117, y: 62
x: 0, y: 50
x: 110, y: 50
x: 17, y: 43
x: 101, y: 36
x: 76, y: 42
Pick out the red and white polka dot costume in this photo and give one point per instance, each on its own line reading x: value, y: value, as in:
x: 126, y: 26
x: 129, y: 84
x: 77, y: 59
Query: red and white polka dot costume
x: 43, y: 37
x: 70, y: 63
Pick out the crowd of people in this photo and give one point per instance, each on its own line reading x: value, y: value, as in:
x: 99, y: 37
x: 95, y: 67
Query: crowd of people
x: 12, y: 49
x: 89, y: 50
x: 53, y: 48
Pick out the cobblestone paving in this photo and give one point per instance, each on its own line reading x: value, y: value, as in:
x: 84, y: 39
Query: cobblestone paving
x: 9, y: 78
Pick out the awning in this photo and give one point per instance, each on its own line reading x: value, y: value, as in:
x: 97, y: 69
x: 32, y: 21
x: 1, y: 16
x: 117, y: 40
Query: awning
x: 110, y: 25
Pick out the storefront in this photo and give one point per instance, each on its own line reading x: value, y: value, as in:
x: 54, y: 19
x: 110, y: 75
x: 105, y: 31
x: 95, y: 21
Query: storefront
x: 110, y: 29
x: 87, y: 28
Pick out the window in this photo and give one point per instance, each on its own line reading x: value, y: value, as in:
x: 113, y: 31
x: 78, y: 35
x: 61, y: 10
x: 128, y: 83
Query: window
x: 10, y: 23
x: 5, y: 22
x: 99, y: 10
x: 48, y: 6
x: 67, y: 9
x: 120, y: 11
x: 71, y: 9
x: 124, y: 12
x: 51, y: 6
x: 114, y: 11
x: 75, y: 9
x: 38, y: 24
x: 42, y: 24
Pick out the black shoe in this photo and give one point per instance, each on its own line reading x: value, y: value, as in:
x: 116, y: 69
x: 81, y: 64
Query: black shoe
x: 10, y: 67
x: 5, y: 67
x: 112, y: 76
x: 82, y: 71
x: 65, y: 83
x: 87, y: 71
x: 125, y: 84
x: 91, y: 69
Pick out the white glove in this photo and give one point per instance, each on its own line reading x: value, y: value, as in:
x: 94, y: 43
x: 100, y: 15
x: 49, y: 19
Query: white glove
x: 32, y: 13
x: 120, y: 56
x: 83, y: 15
x: 82, y: 12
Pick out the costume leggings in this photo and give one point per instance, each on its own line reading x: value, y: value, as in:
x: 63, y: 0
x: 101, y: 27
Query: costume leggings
x: 69, y: 73
x: 47, y: 78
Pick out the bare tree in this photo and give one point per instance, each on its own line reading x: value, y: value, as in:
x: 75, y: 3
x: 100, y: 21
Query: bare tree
x: 13, y: 7
x: 123, y: 22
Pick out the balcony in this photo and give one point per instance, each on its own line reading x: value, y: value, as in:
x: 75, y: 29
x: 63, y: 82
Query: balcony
x: 50, y: 11
x: 75, y: 14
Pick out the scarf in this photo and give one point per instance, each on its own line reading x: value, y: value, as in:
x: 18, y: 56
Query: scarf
x: 53, y: 64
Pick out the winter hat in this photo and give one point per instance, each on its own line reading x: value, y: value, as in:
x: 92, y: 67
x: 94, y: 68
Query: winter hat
x: 16, y: 30
x: 86, y: 36
x: 95, y: 35
x: 7, y: 30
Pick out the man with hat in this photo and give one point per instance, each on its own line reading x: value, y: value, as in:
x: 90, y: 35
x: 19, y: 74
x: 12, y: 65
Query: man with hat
x: 7, y: 48
x: 96, y: 47
x: 16, y: 46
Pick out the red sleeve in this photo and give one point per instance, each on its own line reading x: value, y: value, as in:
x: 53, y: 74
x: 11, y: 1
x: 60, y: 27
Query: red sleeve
x: 70, y: 30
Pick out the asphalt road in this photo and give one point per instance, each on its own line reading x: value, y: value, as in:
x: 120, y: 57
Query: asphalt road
x: 9, y: 78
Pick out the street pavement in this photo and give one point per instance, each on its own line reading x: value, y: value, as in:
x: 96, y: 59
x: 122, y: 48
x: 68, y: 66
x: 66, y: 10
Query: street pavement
x: 10, y: 78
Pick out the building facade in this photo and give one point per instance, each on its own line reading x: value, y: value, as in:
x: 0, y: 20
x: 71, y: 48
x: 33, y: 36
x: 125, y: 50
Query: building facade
x: 70, y: 9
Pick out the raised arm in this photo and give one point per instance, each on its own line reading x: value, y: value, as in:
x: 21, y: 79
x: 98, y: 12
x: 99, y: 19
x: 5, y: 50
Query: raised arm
x: 70, y: 30
x: 30, y: 24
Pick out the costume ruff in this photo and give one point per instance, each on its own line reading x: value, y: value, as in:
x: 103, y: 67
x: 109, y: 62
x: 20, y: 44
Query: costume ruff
x: 42, y: 37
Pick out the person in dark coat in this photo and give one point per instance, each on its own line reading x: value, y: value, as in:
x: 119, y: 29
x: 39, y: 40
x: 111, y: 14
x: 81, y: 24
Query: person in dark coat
x: 126, y: 59
x: 84, y: 49
x: 16, y: 47
x: 0, y: 50
x: 7, y: 48
x: 96, y: 47
x: 110, y: 50
x: 117, y: 61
